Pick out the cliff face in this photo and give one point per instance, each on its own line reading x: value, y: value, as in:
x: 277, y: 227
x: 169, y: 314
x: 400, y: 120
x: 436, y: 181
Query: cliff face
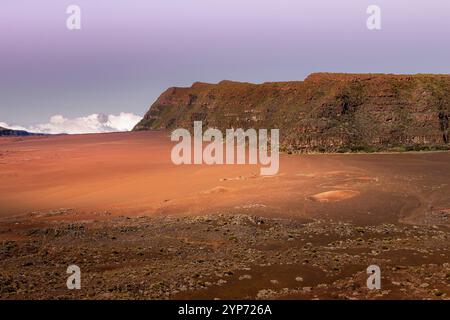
x: 326, y: 112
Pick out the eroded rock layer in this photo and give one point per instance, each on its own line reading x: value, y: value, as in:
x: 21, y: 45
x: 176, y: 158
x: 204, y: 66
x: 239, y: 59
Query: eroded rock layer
x: 326, y: 112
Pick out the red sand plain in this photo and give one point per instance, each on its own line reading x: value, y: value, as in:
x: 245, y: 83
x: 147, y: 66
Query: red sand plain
x: 117, y: 206
x: 132, y: 174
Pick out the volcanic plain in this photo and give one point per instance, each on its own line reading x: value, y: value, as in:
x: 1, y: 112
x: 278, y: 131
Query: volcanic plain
x: 140, y: 227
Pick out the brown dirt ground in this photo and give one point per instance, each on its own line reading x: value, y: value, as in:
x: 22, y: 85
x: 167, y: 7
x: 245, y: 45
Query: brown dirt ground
x: 140, y: 227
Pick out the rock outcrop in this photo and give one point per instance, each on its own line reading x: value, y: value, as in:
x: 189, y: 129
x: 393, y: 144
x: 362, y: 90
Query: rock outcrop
x: 16, y: 133
x: 326, y: 112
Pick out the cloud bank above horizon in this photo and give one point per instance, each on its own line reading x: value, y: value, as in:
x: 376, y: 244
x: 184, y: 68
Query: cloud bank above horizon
x: 93, y: 123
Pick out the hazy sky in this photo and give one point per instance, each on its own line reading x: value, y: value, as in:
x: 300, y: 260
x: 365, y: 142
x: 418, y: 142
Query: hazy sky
x: 128, y: 52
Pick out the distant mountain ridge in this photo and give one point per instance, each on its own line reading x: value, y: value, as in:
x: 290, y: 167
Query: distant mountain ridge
x: 326, y: 112
x: 17, y: 133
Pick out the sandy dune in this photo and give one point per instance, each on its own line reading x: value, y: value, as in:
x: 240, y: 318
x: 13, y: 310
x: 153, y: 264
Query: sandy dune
x: 336, y: 195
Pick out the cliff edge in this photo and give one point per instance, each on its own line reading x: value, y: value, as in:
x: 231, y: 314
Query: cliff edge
x: 326, y: 112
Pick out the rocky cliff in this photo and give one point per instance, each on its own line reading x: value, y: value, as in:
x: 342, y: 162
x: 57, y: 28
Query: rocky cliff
x: 325, y: 112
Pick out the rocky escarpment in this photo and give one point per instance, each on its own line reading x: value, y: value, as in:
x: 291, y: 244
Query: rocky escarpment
x: 326, y: 112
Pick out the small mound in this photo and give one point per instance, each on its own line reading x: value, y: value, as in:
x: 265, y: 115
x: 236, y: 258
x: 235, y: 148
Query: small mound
x: 306, y: 175
x: 234, y: 179
x: 217, y: 189
x: 337, y: 195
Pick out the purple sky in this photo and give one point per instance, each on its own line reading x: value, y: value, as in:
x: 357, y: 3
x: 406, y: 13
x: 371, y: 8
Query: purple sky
x: 128, y: 52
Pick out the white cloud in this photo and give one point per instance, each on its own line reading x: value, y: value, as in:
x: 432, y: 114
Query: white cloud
x: 94, y: 123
